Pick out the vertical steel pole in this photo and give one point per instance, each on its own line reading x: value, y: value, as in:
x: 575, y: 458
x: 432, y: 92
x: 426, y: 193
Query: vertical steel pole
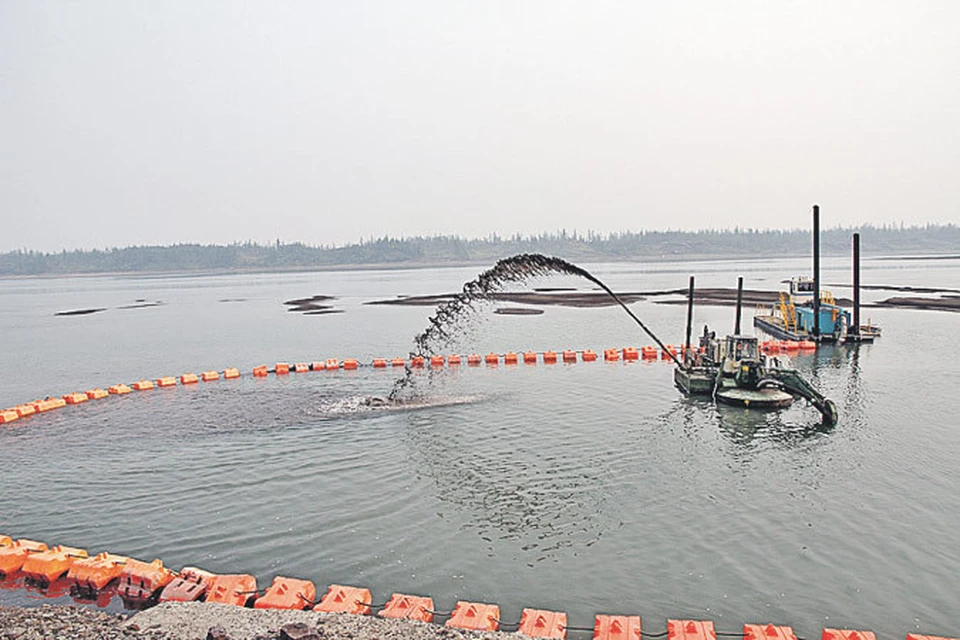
x: 855, y: 329
x: 736, y: 327
x: 816, y: 272
x: 688, y: 357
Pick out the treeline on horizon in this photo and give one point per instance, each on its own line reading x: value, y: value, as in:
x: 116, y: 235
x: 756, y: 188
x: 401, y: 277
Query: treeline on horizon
x: 930, y: 239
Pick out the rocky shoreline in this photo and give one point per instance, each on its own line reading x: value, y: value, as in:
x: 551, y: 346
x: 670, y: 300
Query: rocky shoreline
x: 196, y: 620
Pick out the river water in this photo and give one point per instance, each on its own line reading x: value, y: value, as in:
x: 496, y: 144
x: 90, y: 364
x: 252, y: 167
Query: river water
x: 590, y: 488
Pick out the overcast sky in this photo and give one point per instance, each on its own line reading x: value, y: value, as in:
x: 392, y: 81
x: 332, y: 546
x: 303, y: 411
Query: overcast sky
x: 125, y: 122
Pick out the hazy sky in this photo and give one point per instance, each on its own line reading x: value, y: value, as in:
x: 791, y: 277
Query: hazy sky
x: 125, y: 122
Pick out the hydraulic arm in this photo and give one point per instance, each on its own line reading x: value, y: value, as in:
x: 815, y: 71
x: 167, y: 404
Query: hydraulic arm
x: 791, y: 382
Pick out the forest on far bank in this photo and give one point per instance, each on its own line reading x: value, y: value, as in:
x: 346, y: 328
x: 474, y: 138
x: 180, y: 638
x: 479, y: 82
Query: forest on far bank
x: 439, y: 250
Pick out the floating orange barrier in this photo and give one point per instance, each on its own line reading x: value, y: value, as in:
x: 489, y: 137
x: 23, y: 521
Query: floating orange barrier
x: 530, y: 357
x: 690, y: 630
x: 281, y: 368
x: 210, y: 376
x: 538, y: 623
x: 332, y: 364
x: 437, y: 361
x: 141, y: 582
x: 398, y: 362
x: 453, y: 360
x: 847, y: 634
x: 350, y: 364
x: 808, y: 345
x: 408, y: 607
x: 97, y: 394
x: 143, y: 385
x: 8, y: 415
x: 24, y: 410
x: 789, y: 345
x: 6, y: 541
x: 318, y: 366
x: 569, y: 356
x: 75, y: 398
x: 301, y: 367
x: 232, y: 589
x: 770, y: 347
x: 616, y: 627
x: 341, y: 599
x: 510, y: 358
x: 230, y: 373
x: 648, y: 353
x: 167, y: 381
x: 915, y: 636
x: 379, y: 363
x: 473, y: 359
x: 260, y: 372
x: 47, y: 566
x: 767, y: 632
x: 492, y: 358
x: 189, y: 378
x: 417, y: 362
x: 119, y: 389
x: 668, y: 350
x: 287, y: 593
x: 13, y: 556
x: 611, y: 355
x: 49, y: 404
x: 588, y: 355
x: 189, y: 586
x: 476, y: 616
x: 631, y: 353
x: 93, y: 574
x: 549, y: 357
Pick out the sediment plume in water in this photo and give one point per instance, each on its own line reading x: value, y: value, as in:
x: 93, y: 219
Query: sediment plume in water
x: 450, y: 316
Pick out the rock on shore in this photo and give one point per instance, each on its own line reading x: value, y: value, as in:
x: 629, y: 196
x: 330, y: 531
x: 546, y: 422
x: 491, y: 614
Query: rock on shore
x: 198, y: 621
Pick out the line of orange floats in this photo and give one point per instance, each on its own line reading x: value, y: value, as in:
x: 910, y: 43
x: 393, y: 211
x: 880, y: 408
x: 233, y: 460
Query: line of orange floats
x: 142, y: 584
x: 647, y: 353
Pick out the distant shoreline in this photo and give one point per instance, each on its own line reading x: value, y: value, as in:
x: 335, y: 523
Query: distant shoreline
x: 440, y: 264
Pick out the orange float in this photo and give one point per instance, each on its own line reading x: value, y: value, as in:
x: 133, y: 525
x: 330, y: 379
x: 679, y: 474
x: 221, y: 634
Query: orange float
x: 75, y: 398
x: 668, y: 350
x: 767, y: 632
x: 530, y: 357
x: 189, y: 378
x: 24, y: 410
x: 350, y: 364
x: 332, y: 364
x: 301, y: 367
x: 616, y: 627
x: 233, y: 589
x: 611, y: 355
x: 510, y: 358
x: 538, y: 623
x: 341, y: 599
x: 417, y: 362
x: 13, y: 556
x: 915, y: 636
x: 631, y: 353
x: 318, y: 366
x: 287, y: 593
x: 260, y: 371
x: 210, y: 376
x: 690, y: 630
x: 231, y: 373
x: 453, y: 360
x: 847, y: 634
x: 189, y: 586
x: 141, y: 582
x: 379, y: 363
x: 281, y: 368
x: 648, y: 353
x: 789, y: 346
x: 398, y: 362
x: 473, y: 360
x: 549, y: 357
x: 93, y: 574
x: 492, y: 358
x: 119, y: 389
x: 97, y: 394
x: 49, y: 404
x: 475, y: 616
x: 143, y: 385
x: 46, y: 566
x: 408, y: 607
x: 437, y: 361
x: 8, y: 415
x: 808, y: 345
x: 569, y: 356
x: 167, y: 381
x: 589, y: 355
x: 6, y: 541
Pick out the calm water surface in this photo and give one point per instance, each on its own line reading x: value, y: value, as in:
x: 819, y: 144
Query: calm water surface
x: 588, y: 488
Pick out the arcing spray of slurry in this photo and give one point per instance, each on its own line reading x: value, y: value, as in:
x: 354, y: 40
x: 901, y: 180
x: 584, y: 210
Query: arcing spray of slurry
x: 519, y: 268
